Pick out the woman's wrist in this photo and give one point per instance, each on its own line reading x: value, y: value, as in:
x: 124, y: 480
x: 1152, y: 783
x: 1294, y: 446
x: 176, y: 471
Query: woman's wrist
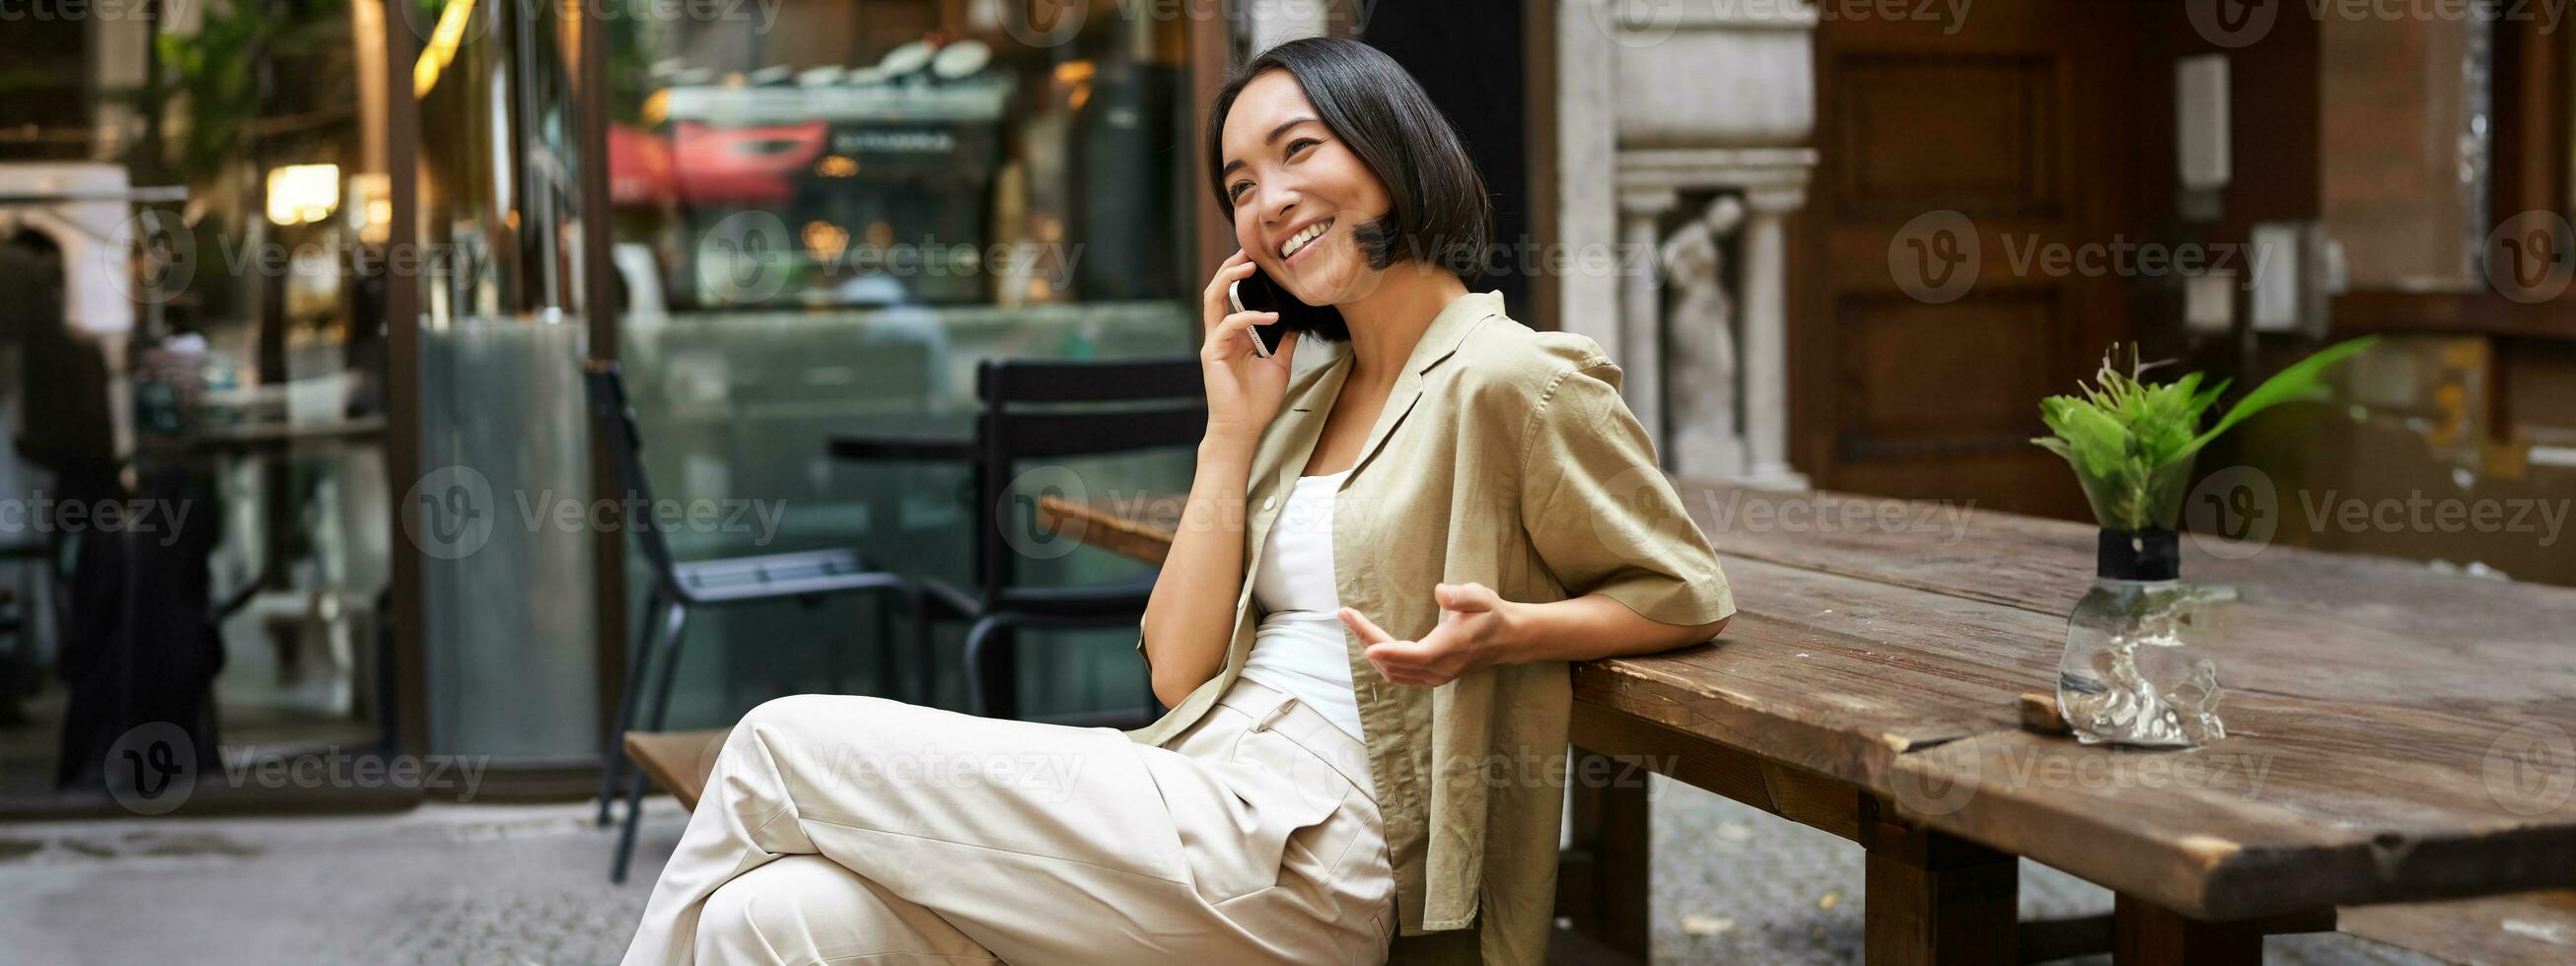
x: 1223, y: 444
x: 1517, y: 633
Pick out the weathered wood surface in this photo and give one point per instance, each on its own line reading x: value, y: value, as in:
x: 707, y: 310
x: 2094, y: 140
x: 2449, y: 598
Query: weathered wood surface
x: 2390, y: 630
x: 677, y: 761
x: 2532, y: 929
x: 2396, y: 733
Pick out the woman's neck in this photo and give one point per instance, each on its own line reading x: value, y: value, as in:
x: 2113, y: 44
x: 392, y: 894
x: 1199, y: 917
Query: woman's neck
x: 1387, y: 322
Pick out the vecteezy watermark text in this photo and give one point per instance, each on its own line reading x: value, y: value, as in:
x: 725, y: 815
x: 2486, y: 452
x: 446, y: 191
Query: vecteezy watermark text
x: 1939, y: 256
x: 2238, y: 23
x: 461, y: 775
x: 2235, y: 512
x: 45, y: 514
x: 154, y: 769
x: 568, y: 514
x: 1742, y: 511
x: 2062, y: 768
x: 452, y: 512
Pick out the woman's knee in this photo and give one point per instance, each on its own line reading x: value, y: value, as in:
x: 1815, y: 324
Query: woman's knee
x: 836, y: 710
x: 826, y: 718
x: 803, y: 732
x: 791, y: 709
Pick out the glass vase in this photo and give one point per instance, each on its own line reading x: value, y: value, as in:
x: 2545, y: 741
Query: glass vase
x: 2137, y: 670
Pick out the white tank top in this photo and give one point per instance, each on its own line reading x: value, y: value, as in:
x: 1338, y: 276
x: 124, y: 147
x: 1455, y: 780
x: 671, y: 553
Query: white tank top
x: 1299, y: 649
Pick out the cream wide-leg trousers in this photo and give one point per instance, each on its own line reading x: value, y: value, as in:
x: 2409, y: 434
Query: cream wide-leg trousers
x: 840, y: 829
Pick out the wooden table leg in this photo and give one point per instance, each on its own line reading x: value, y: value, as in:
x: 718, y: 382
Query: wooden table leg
x: 1602, y: 884
x: 2143, y: 934
x: 1935, y: 900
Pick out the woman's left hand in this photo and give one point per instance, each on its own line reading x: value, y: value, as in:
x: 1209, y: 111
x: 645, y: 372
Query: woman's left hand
x: 1476, y: 631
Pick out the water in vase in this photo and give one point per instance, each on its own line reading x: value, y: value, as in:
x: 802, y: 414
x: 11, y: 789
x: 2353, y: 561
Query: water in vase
x: 2135, y: 671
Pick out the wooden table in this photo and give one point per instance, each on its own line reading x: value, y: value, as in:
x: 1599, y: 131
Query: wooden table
x: 2395, y: 735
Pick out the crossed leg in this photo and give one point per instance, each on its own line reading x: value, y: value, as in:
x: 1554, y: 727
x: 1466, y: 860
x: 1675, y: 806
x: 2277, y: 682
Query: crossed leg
x: 803, y: 910
x: 1012, y: 840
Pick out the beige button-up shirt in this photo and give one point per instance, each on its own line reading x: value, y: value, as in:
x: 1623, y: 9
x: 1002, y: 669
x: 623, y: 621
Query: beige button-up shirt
x: 1506, y: 457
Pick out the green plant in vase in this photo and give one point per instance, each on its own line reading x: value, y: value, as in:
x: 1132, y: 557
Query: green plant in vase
x: 2132, y: 672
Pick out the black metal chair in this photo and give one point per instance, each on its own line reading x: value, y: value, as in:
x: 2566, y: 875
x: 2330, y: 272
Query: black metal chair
x: 677, y: 587
x: 1041, y: 409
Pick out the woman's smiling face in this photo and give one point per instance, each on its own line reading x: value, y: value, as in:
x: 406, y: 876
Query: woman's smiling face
x: 1298, y: 193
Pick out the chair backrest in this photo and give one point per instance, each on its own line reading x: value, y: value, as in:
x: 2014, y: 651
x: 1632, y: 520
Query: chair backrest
x: 1044, y: 408
x: 612, y: 419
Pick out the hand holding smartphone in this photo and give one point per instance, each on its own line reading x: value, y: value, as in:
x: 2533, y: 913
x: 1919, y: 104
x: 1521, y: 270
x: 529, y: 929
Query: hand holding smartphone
x: 1257, y: 293
x: 1245, y: 389
x: 1265, y: 338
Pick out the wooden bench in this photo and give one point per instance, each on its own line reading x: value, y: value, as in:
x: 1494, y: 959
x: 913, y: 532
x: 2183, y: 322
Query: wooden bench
x: 677, y: 761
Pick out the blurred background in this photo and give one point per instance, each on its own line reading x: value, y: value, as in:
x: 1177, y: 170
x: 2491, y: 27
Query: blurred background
x: 301, y: 288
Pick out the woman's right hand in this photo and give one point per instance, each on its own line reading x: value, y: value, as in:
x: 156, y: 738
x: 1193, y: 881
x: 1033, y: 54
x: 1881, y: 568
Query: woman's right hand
x: 1244, y: 390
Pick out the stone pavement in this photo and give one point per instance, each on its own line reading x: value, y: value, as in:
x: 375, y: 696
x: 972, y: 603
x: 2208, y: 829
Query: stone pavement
x: 522, y: 884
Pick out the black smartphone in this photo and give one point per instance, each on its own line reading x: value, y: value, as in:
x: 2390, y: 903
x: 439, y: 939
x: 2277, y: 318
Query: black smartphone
x: 1257, y: 293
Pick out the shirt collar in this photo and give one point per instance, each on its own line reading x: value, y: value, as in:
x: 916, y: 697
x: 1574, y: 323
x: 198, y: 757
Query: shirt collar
x: 1448, y: 329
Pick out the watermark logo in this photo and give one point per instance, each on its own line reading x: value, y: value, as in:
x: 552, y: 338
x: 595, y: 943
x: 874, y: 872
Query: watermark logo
x: 2233, y: 513
x: 1645, y: 23
x: 2531, y: 769
x: 2236, y: 512
x: 1741, y: 511
x: 2232, y: 23
x: 449, y: 24
x: 152, y: 768
x: 460, y: 775
x: 1044, y: 23
x: 1647, y: 516
x: 452, y: 513
x: 170, y: 11
x: 1933, y: 796
x: 449, y: 514
x: 2237, y: 23
x: 163, y: 253
x: 550, y: 510
x: 2067, y: 767
x: 1935, y: 257
x: 2530, y: 256
x: 1054, y: 23
x: 744, y: 257
x: 1029, y: 532
x: 446, y: 26
x: 168, y: 519
x: 1938, y: 257
x: 1635, y: 23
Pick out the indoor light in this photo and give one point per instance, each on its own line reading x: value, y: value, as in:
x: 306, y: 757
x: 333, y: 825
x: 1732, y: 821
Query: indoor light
x: 300, y: 194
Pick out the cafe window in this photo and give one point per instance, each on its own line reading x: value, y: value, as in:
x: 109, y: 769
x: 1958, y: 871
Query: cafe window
x: 826, y: 215
x: 883, y: 153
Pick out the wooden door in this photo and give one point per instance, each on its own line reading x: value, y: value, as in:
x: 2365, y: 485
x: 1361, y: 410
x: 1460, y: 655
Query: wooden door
x: 1953, y: 155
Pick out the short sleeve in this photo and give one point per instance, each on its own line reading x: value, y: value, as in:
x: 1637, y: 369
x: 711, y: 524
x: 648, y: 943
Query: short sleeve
x: 1602, y: 515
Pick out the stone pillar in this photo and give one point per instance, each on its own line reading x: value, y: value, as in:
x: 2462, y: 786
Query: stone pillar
x: 1641, y: 313
x: 1766, y: 348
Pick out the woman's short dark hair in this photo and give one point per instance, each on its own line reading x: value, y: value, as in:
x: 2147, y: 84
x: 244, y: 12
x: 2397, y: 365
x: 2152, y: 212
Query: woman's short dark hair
x: 1441, y: 215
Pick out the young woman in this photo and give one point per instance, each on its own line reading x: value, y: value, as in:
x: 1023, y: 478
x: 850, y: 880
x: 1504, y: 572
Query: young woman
x: 1362, y: 629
